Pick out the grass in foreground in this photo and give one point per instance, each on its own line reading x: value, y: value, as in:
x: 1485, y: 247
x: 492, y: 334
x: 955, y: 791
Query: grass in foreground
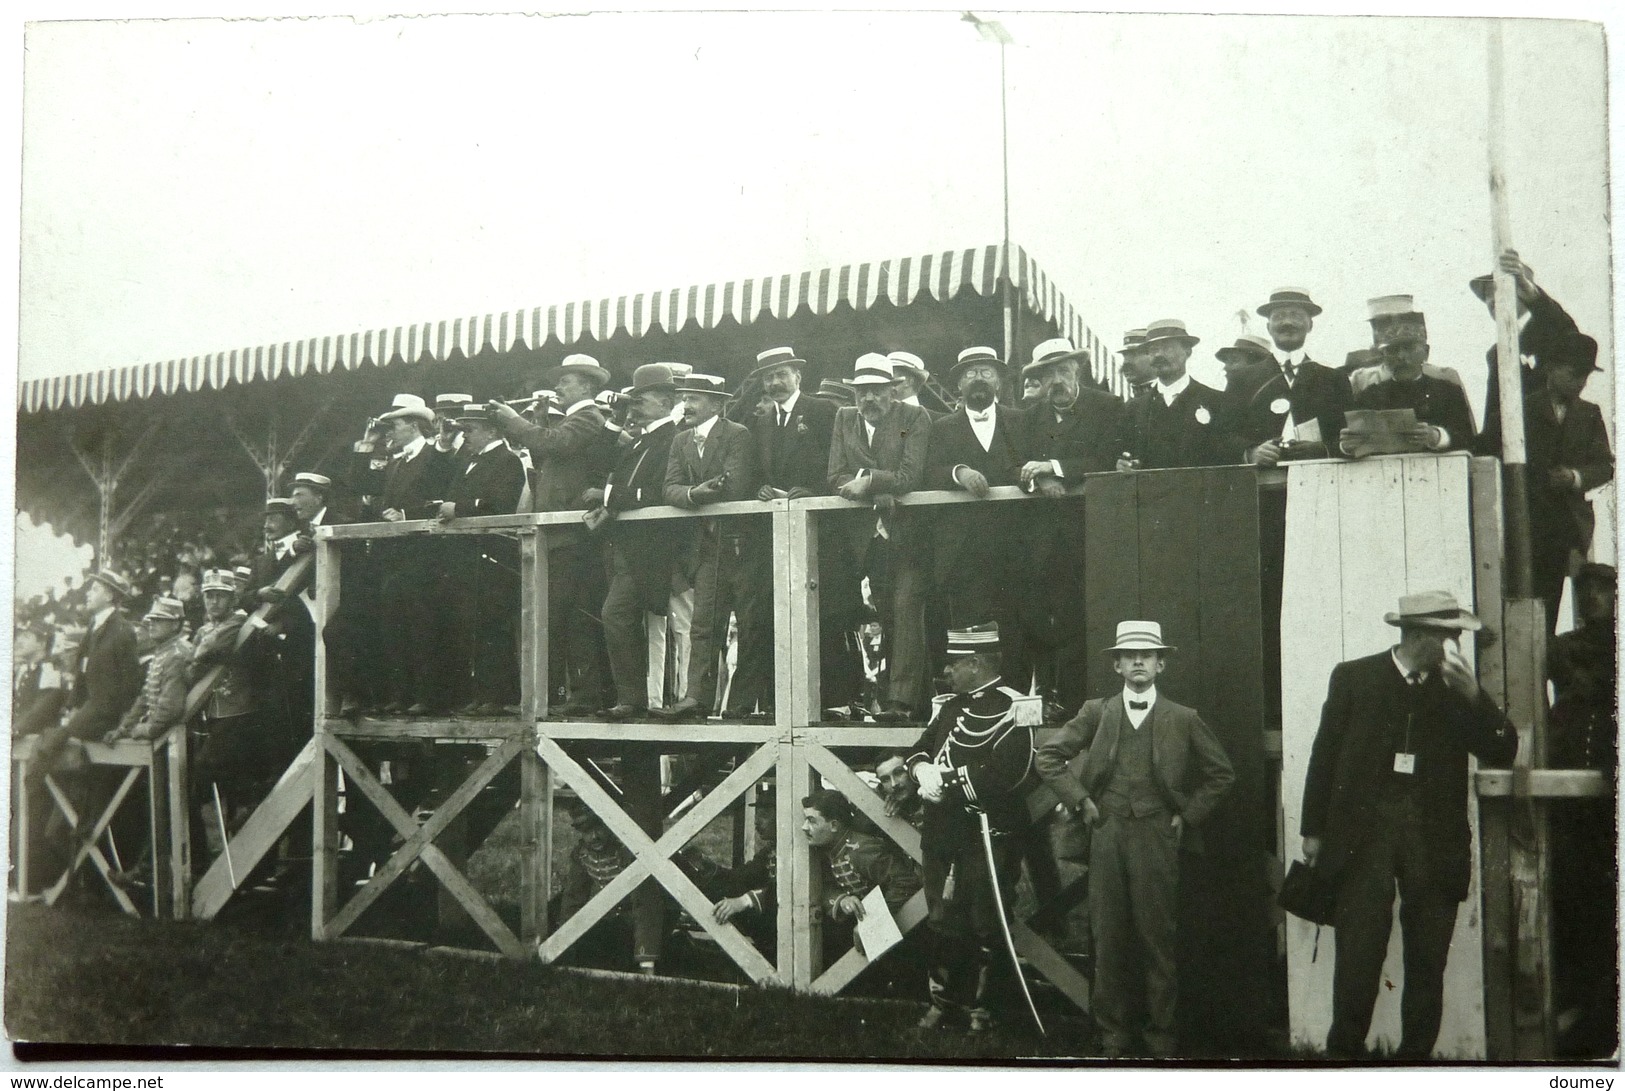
x: 97, y: 978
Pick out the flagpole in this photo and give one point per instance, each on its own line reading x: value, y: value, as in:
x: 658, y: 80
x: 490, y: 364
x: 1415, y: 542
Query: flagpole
x: 1509, y: 365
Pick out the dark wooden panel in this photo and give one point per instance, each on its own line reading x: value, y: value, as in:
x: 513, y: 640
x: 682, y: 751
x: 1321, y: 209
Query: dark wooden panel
x: 1111, y: 559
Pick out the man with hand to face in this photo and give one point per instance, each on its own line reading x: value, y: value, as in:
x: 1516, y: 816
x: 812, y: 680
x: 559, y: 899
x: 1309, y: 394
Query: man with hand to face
x: 1153, y: 772
x: 1385, y: 804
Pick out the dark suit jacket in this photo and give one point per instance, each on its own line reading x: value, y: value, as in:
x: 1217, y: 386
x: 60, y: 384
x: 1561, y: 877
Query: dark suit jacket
x: 1436, y: 401
x: 980, y: 531
x: 1188, y: 765
x: 1320, y: 393
x: 729, y: 449
x: 796, y: 456
x: 36, y: 698
x: 639, y: 481
x: 107, y: 679
x: 570, y: 455
x: 1165, y: 436
x: 1580, y: 443
x: 487, y: 484
x: 1362, y: 726
x: 412, y: 484
x: 1549, y: 335
x: 1086, y: 440
x: 896, y: 463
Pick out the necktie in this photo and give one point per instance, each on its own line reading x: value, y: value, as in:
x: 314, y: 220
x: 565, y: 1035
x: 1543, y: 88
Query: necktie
x: 1413, y: 678
x: 1139, y: 706
x: 1291, y: 371
x: 699, y: 445
x: 784, y: 416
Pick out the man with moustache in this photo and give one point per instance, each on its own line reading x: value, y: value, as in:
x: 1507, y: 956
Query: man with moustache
x: 1135, y: 367
x: 1248, y: 364
x: 1277, y: 417
x: 878, y: 452
x: 912, y: 378
x: 1073, y: 430
x: 1444, y: 421
x: 1182, y: 422
x: 1390, y: 315
x: 570, y: 454
x: 1385, y: 803
x: 979, y: 567
x: 713, y: 461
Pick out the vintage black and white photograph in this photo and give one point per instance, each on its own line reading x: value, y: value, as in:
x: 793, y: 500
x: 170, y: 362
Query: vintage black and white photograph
x: 827, y: 536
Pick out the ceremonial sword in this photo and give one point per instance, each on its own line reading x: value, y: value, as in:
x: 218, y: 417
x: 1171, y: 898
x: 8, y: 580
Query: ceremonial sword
x: 1004, y: 925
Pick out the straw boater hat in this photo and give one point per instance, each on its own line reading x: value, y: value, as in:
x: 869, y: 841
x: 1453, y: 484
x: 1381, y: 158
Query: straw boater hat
x: 1140, y: 636
x: 907, y: 361
x: 408, y: 406
x: 281, y: 504
x: 1433, y: 610
x: 242, y: 574
x: 768, y: 359
x: 872, y: 369
x: 652, y: 377
x: 696, y: 383
x: 1053, y: 351
x: 1392, y: 308
x: 1132, y: 339
x: 219, y: 579
x: 1289, y: 297
x: 974, y: 639
x: 978, y: 354
x: 579, y: 363
x: 1248, y: 345
x: 1167, y: 329
x: 474, y: 413
x: 165, y: 608
x: 836, y: 391
x: 114, y: 582
x: 320, y: 482
x: 448, y: 405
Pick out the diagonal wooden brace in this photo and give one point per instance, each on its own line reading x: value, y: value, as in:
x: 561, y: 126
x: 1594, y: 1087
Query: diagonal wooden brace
x: 861, y: 796
x: 87, y: 847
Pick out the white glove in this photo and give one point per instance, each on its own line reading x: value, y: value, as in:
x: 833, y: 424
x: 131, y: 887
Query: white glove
x: 930, y: 779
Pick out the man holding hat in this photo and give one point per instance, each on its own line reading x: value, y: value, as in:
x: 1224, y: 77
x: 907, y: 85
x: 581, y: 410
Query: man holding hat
x: 1303, y: 404
x: 641, y: 554
x: 570, y: 454
x: 713, y: 460
x: 878, y: 452
x: 1444, y: 421
x: 1153, y: 772
x: 973, y: 759
x: 979, y: 567
x: 1182, y: 422
x: 1385, y: 802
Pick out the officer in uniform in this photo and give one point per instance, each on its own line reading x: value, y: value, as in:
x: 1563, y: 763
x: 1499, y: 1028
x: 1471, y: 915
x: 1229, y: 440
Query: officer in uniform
x: 975, y: 756
x: 232, y: 746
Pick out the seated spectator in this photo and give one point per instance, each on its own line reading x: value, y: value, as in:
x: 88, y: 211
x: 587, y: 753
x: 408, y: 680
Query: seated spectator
x: 596, y: 858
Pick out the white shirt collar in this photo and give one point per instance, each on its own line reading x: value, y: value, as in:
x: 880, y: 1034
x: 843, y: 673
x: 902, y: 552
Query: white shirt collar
x: 411, y: 449
x: 1296, y: 357
x: 788, y: 405
x: 493, y: 445
x: 1149, y: 696
x: 318, y: 519
x: 1173, y: 390
x: 99, y: 618
x: 1404, y: 671
x: 578, y: 406
x: 912, y: 399
x: 703, y: 431
x: 986, y: 416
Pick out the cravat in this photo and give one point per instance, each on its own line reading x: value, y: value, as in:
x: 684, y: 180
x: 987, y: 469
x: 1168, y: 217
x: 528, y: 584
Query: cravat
x: 1139, y: 705
x: 982, y: 418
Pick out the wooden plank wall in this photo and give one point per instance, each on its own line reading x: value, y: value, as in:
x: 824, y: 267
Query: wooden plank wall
x: 1180, y: 547
x: 1360, y: 535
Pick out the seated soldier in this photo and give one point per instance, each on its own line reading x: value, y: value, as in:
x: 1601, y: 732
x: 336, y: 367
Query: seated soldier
x: 161, y: 702
x: 856, y: 863
x: 598, y: 856
x: 746, y: 894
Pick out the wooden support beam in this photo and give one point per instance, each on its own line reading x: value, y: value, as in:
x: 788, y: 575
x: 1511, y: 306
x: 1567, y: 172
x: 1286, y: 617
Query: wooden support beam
x: 786, y: 817
x: 259, y: 835
x: 534, y: 684
x: 1530, y: 863
x: 535, y: 846
x: 909, y: 915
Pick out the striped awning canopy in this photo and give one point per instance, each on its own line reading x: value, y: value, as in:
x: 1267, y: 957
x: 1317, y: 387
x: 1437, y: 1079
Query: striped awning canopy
x: 901, y: 281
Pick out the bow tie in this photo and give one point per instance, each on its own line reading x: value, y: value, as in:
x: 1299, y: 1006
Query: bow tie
x: 1139, y: 705
x: 982, y: 418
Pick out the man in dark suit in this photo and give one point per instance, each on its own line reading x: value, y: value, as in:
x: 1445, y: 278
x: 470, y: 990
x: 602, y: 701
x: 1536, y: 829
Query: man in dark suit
x: 107, y: 677
x: 1385, y: 801
x: 570, y: 454
x: 878, y: 452
x: 1277, y: 419
x: 973, y: 759
x: 1073, y: 430
x: 1153, y: 772
x: 712, y: 461
x: 1443, y: 418
x: 640, y: 554
x: 1135, y: 367
x: 979, y: 568
x: 37, y: 690
x: 1181, y: 422
x: 484, y: 572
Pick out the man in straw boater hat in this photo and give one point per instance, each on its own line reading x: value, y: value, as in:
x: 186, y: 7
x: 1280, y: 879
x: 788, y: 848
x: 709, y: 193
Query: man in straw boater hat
x: 713, y: 460
x: 1304, y: 401
x: 1248, y: 364
x: 912, y: 377
x: 641, y: 554
x: 570, y: 454
x: 1385, y: 802
x: 1153, y: 772
x: 979, y: 565
x: 482, y: 574
x: 1443, y: 419
x: 878, y: 452
x: 1074, y: 430
x: 106, y: 675
x: 1181, y: 422
x: 972, y: 764
x: 1135, y: 367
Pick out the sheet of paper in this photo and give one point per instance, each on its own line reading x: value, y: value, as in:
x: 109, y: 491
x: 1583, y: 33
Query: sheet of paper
x: 877, y: 931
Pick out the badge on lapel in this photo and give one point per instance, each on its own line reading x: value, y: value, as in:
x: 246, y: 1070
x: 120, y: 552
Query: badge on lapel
x: 1280, y: 406
x: 1203, y: 416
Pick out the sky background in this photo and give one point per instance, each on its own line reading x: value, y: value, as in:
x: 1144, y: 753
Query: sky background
x: 196, y: 185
